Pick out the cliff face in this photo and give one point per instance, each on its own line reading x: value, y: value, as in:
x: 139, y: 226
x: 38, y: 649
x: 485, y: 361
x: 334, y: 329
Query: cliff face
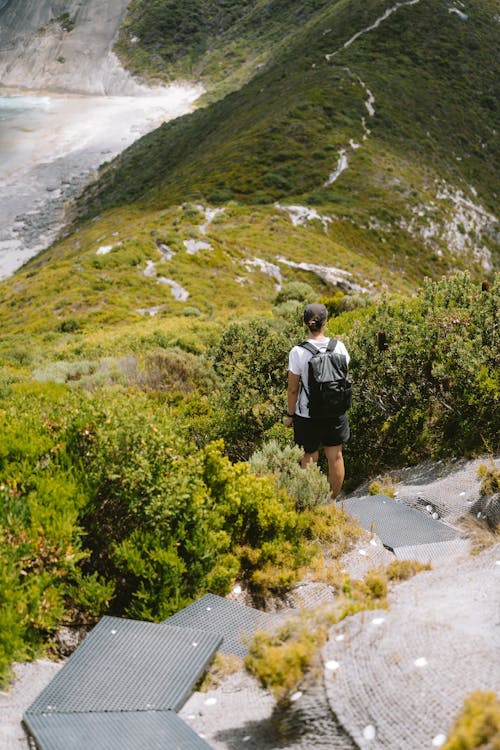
x: 63, y: 45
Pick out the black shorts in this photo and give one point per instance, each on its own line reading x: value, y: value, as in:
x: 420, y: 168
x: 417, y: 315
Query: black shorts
x: 310, y: 433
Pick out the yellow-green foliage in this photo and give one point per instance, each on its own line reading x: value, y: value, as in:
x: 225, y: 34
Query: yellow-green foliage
x: 221, y: 667
x: 490, y: 479
x: 281, y: 660
x: 330, y: 528
x: 478, y: 726
x: 107, y: 506
x: 308, y: 487
x: 418, y: 396
x: 384, y: 486
x: 401, y: 570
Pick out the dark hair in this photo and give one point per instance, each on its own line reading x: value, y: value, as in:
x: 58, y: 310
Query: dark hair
x: 315, y: 317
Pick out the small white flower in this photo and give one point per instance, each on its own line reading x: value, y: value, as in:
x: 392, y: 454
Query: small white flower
x: 369, y: 732
x: 420, y: 662
x: 332, y: 665
x: 438, y: 740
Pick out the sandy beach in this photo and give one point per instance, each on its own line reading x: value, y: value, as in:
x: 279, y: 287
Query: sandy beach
x: 54, y: 154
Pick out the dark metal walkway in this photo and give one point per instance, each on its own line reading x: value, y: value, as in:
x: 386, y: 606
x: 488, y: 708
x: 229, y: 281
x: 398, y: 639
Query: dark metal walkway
x: 408, y: 532
x: 235, y: 622
x: 121, y: 688
x: 132, y: 730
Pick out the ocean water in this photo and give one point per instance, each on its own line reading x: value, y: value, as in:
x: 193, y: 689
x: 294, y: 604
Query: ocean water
x: 50, y: 146
x: 21, y: 118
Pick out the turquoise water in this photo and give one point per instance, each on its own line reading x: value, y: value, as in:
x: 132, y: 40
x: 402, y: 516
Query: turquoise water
x: 20, y: 118
x: 17, y: 108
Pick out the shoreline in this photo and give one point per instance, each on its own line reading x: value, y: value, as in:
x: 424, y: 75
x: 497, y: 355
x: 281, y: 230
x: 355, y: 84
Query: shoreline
x: 73, y: 137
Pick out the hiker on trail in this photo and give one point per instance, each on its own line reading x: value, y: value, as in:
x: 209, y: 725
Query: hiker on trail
x: 318, y: 412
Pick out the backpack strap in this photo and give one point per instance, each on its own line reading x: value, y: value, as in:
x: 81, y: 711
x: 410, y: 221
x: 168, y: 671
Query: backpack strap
x: 330, y: 347
x: 310, y: 347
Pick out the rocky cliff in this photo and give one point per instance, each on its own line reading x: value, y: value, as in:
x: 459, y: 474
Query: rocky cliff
x: 63, y: 45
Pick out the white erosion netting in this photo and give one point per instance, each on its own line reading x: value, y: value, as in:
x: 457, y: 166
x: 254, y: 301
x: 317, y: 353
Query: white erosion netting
x: 449, y: 489
x: 392, y: 679
x: 404, y: 673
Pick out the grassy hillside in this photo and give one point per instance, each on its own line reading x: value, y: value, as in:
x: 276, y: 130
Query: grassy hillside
x: 410, y: 104
x: 430, y: 152
x: 222, y: 44
x: 144, y: 354
x: 193, y: 220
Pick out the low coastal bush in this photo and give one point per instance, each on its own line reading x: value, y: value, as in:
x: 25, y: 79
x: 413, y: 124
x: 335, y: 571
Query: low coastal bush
x: 426, y: 374
x: 425, y: 371
x: 106, y: 506
x: 478, y: 726
x: 123, y: 498
x: 308, y: 487
x: 282, y: 659
x: 250, y: 361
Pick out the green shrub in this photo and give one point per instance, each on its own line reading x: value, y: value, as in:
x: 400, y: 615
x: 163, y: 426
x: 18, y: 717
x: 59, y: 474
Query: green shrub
x: 41, y: 547
x: 401, y: 570
x: 308, y: 487
x: 171, y: 370
x: 384, y: 486
x: 280, y: 660
x: 490, y: 479
x: 296, y: 291
x: 478, y: 726
x: 250, y: 361
x: 426, y: 376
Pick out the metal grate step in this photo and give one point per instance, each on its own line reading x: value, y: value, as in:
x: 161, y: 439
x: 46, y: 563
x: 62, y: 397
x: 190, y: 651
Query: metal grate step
x: 407, y: 531
x: 143, y: 730
x: 235, y: 622
x: 127, y: 665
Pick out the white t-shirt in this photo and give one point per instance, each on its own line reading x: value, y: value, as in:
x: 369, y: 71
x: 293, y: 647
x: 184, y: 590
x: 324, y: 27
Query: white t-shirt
x: 298, y: 361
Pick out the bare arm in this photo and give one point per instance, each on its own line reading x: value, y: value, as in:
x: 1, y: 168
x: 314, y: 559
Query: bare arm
x: 292, y: 394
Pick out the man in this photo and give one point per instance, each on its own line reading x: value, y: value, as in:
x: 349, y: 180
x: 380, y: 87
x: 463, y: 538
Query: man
x: 312, y: 432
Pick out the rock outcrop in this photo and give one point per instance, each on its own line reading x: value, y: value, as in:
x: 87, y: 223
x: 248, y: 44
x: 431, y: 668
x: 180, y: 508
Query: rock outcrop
x: 63, y: 45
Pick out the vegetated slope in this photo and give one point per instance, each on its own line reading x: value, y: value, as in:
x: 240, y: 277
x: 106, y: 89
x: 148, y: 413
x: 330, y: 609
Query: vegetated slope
x: 407, y: 101
x: 361, y: 157
x: 222, y: 44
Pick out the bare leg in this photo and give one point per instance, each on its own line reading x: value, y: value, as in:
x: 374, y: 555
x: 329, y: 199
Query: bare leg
x: 336, y: 471
x: 307, y: 458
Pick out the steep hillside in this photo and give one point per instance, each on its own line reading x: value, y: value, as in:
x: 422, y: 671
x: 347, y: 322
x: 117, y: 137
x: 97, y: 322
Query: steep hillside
x: 361, y: 157
x: 387, y: 119
x: 222, y: 44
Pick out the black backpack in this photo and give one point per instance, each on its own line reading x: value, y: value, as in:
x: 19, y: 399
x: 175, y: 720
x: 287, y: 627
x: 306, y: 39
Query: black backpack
x: 330, y: 390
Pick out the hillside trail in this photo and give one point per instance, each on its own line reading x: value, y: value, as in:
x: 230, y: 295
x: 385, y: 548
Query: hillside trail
x: 301, y: 214
x: 392, y: 678
x: 343, y: 162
